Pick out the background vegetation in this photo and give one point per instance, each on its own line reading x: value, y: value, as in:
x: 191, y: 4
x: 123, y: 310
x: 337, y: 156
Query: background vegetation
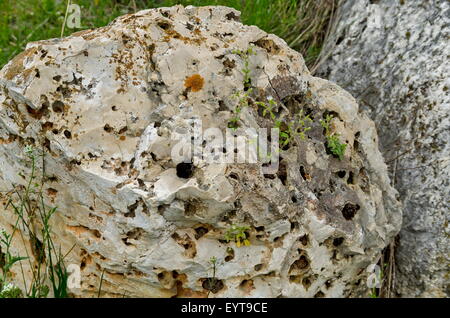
x: 302, y: 23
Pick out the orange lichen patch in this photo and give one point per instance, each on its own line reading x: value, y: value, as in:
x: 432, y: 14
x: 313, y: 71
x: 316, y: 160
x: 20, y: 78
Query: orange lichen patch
x: 195, y: 82
x: 16, y: 65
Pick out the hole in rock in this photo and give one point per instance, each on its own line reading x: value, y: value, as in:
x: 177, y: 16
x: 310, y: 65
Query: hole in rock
x: 300, y: 264
x: 213, y: 284
x: 282, y: 173
x: 185, y: 170
x: 351, y: 179
x: 319, y: 295
x: 246, y: 285
x: 132, y: 210
x: 304, y: 239
x: 269, y: 176
x: 356, y: 142
x: 58, y: 106
x: 350, y: 210
x: 338, y: 241
x: 232, y: 16
x: 269, y: 45
x: 304, y: 175
x: 230, y: 254
x: 165, y: 25
x: 108, y: 128
x: 294, y: 226
x: 200, y: 231
x: 306, y: 282
x: 341, y: 174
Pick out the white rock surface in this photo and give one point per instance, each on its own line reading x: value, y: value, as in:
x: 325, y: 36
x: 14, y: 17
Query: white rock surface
x: 108, y: 104
x: 393, y: 56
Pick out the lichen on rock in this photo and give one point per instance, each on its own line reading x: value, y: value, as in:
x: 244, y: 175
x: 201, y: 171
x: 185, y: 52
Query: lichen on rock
x: 111, y: 104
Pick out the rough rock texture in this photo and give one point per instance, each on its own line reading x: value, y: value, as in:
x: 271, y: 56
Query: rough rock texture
x: 109, y: 104
x: 393, y: 57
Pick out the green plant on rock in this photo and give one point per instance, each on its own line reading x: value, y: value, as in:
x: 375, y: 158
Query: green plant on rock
x: 242, y: 98
x: 7, y: 260
x: 334, y: 145
x: 294, y: 128
x: 288, y: 130
x: 301, y: 124
x: 213, y: 284
x: 10, y: 291
x: 268, y: 109
x: 237, y: 234
x: 245, y: 55
x: 33, y: 219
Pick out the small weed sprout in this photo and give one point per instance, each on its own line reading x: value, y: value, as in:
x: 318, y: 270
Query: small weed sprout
x: 212, y: 283
x: 286, y: 132
x: 268, y: 108
x: 237, y: 234
x: 295, y: 128
x: 334, y: 145
x: 244, y: 96
x: 245, y: 55
x: 7, y: 260
x: 301, y: 123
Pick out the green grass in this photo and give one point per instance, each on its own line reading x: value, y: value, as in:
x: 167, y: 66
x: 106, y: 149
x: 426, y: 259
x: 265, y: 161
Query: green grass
x: 302, y: 23
x: 45, y: 259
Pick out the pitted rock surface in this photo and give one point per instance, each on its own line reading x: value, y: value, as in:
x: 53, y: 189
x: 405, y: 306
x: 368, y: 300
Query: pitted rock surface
x: 393, y: 57
x: 109, y: 105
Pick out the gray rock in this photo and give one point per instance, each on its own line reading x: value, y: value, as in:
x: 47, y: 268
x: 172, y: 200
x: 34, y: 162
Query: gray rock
x: 393, y: 56
x: 112, y: 104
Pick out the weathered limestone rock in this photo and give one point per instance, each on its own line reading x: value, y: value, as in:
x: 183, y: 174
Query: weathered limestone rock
x: 110, y: 105
x: 393, y: 57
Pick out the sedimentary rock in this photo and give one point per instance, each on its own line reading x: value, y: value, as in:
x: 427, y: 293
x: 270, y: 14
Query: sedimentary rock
x: 393, y: 57
x: 110, y: 105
